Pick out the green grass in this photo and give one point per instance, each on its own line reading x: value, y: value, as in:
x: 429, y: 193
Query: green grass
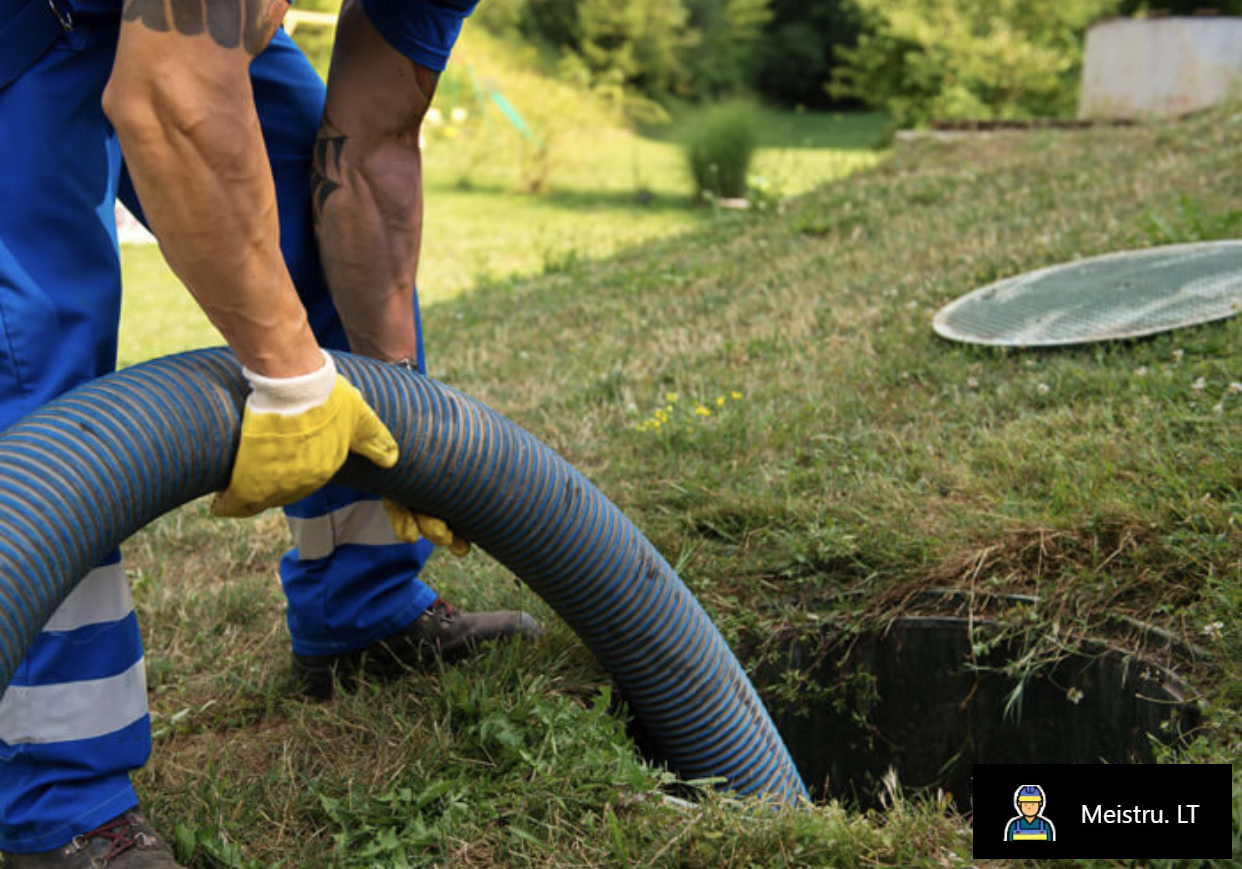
x: 604, y: 188
x: 855, y: 461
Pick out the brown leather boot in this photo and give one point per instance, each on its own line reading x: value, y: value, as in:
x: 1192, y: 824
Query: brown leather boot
x: 126, y: 842
x: 441, y: 630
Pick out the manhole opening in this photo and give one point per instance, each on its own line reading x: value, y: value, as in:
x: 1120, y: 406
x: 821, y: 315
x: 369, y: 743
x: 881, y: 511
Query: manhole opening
x: 928, y: 697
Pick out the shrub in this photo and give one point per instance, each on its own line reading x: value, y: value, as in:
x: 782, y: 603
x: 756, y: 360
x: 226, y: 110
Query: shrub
x: 924, y: 59
x: 720, y: 142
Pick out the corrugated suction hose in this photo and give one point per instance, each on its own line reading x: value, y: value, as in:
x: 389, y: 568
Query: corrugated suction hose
x: 88, y: 470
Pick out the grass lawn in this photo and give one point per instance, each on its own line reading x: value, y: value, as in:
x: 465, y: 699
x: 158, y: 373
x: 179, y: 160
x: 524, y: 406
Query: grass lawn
x: 855, y: 461
x: 610, y: 189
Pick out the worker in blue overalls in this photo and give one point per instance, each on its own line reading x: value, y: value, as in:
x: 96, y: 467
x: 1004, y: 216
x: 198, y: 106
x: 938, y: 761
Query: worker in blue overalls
x: 293, y: 214
x: 1030, y: 825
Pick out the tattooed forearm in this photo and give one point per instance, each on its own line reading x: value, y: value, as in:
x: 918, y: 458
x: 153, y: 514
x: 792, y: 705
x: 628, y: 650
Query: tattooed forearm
x: 230, y: 23
x: 326, y: 170
x: 326, y: 176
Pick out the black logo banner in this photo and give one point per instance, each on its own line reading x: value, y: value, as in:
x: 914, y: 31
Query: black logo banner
x: 1121, y: 811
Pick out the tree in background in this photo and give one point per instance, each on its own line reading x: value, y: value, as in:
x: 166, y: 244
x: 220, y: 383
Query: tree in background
x: 685, y: 49
x: 729, y: 50
x: 644, y: 43
x: 925, y: 59
x: 799, y: 49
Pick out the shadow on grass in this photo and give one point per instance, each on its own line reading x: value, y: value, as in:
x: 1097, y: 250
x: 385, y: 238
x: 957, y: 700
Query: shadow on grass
x: 841, y: 131
x: 638, y: 200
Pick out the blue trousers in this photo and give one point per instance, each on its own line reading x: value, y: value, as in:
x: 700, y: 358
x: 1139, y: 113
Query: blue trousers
x: 74, y: 722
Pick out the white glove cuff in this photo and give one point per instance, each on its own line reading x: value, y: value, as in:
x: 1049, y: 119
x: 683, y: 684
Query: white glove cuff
x: 290, y: 396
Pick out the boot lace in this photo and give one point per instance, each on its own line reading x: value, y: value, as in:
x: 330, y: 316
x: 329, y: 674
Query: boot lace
x: 121, y: 834
x: 442, y: 607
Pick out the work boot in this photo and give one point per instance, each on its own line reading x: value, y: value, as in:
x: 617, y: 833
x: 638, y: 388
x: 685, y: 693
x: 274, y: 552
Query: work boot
x: 126, y: 842
x: 441, y: 630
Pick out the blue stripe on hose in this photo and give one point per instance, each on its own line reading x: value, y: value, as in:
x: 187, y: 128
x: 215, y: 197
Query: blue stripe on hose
x: 82, y: 480
x: 165, y: 433
x: 36, y: 525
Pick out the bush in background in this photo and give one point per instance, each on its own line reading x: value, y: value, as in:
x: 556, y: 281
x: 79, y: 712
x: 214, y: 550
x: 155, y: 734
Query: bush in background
x: 720, y: 142
x: 925, y: 59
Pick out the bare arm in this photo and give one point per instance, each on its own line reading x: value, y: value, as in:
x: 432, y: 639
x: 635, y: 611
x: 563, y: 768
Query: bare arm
x: 181, y: 101
x: 367, y: 186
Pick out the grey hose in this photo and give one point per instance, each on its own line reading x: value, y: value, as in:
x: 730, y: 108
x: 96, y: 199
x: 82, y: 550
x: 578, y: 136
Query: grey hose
x: 99, y: 463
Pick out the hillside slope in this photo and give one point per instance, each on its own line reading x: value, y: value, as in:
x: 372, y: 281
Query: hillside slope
x: 820, y: 458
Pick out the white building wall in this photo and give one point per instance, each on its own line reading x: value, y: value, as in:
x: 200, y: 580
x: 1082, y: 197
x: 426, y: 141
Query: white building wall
x: 1137, y: 68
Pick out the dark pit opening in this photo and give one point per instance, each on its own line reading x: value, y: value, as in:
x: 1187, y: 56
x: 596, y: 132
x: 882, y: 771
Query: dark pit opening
x: 927, y: 696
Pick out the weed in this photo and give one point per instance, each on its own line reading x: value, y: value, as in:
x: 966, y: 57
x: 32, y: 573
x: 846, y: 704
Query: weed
x: 1191, y: 221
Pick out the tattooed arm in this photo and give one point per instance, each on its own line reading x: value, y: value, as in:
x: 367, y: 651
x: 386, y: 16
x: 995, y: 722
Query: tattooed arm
x: 367, y: 186
x: 181, y: 101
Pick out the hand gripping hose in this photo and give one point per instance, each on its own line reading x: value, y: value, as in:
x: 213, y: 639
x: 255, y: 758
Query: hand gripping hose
x: 91, y: 468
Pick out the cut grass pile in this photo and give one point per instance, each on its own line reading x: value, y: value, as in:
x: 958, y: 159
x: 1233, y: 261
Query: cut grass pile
x: 820, y: 455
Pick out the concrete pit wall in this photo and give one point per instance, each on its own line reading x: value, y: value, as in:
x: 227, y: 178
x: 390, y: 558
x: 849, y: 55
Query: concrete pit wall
x: 1136, y: 68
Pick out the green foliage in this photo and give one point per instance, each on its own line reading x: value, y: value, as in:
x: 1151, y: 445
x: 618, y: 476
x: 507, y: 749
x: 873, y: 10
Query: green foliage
x: 1180, y: 7
x: 925, y: 59
x: 799, y: 48
x: 720, y: 143
x: 508, y: 744
x: 209, y: 848
x: 401, y: 828
x: 1189, y: 221
x: 725, y: 58
x: 643, y: 42
x: 687, y: 49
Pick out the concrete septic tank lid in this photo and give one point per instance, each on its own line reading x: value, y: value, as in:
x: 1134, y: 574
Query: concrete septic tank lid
x: 1104, y: 298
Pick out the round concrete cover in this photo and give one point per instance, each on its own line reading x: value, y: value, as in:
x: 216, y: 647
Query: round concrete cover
x: 1119, y: 295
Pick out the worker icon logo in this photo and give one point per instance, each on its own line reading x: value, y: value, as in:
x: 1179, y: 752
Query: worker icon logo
x: 1030, y: 825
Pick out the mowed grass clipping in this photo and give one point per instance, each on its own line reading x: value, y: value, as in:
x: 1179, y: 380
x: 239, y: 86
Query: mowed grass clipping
x: 821, y: 457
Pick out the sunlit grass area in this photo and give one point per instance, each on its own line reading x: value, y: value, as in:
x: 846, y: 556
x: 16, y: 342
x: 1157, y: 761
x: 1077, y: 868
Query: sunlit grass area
x: 553, y: 178
x: 610, y: 188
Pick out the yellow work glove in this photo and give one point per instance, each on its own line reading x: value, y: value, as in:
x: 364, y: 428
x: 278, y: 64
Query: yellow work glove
x: 410, y: 526
x: 296, y: 433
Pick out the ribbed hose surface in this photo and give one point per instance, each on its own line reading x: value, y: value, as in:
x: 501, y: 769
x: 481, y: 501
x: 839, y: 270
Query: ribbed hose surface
x: 93, y: 467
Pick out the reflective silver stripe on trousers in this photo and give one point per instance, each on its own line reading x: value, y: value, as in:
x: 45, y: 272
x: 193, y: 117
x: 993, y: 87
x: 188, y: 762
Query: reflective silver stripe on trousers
x: 103, y: 596
x: 73, y: 710
x: 364, y: 523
